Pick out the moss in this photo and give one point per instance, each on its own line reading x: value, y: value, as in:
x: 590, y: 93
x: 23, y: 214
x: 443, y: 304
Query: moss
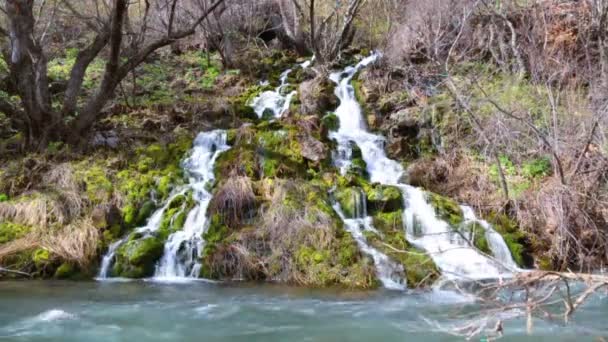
x: 384, y: 198
x: 41, y: 258
x: 3, y: 198
x: 144, y: 212
x: 476, y: 234
x: 137, y: 257
x: 66, y: 271
x: 515, y: 239
x: 420, y: 269
x: 447, y: 209
x: 349, y: 200
x: 331, y: 122
x: 10, y: 231
x: 175, y: 215
x: 98, y: 186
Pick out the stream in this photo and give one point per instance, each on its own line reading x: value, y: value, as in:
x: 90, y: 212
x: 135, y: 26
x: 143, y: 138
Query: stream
x: 202, y: 311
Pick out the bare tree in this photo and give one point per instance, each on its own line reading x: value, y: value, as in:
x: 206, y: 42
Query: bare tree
x: 124, y: 36
x: 321, y: 27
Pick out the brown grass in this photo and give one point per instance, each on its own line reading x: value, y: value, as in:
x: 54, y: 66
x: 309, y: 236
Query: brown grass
x: 76, y: 243
x: 234, y: 201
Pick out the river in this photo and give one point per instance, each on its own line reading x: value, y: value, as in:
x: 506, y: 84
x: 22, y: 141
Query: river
x: 200, y: 311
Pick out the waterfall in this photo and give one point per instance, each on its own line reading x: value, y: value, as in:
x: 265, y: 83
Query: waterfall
x: 277, y: 101
x: 107, y: 260
x: 182, y: 249
x: 455, y: 257
x: 388, y: 272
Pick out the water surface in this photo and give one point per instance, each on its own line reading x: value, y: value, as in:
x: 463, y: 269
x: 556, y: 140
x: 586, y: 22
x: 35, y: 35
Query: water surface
x: 199, y: 311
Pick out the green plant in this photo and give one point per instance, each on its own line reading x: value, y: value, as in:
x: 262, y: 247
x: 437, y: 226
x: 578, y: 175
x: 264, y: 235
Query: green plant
x: 537, y: 168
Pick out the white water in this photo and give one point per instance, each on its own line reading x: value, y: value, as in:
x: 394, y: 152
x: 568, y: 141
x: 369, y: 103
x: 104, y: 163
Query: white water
x: 454, y: 256
x: 152, y: 225
x: 277, y: 101
x: 499, y: 247
x: 388, y: 272
x: 107, y: 260
x: 183, y: 248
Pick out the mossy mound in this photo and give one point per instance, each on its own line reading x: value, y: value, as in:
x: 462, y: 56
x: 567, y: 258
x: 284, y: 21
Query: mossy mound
x: 296, y: 237
x: 137, y: 257
x: 516, y: 240
x: 420, y: 269
x: 383, y: 198
x: 447, y: 209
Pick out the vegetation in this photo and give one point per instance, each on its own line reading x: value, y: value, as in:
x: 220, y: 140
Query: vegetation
x: 497, y: 107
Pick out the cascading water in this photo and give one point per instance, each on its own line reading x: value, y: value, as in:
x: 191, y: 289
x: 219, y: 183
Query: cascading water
x: 389, y: 273
x: 151, y: 226
x: 455, y: 257
x: 499, y: 247
x: 277, y: 102
x: 183, y: 248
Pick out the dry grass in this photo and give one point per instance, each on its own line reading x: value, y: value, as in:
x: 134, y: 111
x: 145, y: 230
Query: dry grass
x: 234, y: 201
x: 270, y: 251
x: 76, y: 243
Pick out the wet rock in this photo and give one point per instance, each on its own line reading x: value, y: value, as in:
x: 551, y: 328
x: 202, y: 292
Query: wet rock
x: 317, y: 96
x: 312, y: 149
x: 105, y: 139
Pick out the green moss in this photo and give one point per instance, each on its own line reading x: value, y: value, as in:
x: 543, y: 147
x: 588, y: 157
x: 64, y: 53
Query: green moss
x: 476, y: 234
x: 384, y: 198
x: 419, y: 268
x: 537, y: 168
x: 10, y: 231
x: 447, y: 209
x: 66, y: 271
x: 175, y: 216
x: 3, y: 198
x: 41, y: 258
x: 331, y: 122
x: 515, y: 239
x: 137, y: 257
x: 350, y: 200
x: 144, y: 212
x: 98, y: 186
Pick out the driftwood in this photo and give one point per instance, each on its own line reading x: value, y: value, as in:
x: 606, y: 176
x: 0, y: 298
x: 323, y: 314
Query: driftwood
x: 533, y: 295
x: 19, y: 273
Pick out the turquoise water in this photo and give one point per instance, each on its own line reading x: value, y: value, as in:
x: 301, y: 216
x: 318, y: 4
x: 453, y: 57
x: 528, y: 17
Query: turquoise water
x: 199, y: 311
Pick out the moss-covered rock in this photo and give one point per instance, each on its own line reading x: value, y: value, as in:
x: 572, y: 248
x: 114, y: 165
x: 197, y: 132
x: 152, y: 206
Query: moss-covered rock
x: 137, y: 257
x: 447, y: 209
x: 351, y: 201
x: 419, y: 268
x: 384, y: 198
x: 515, y: 238
x: 475, y: 234
x: 10, y: 231
x: 330, y: 122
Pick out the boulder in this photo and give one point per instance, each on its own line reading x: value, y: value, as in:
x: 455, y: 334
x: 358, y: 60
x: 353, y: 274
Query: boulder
x: 312, y: 149
x: 317, y: 96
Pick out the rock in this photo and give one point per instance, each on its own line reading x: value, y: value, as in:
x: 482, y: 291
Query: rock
x: 383, y: 198
x: 137, y: 258
x: 312, y: 149
x: 105, y: 139
x: 105, y: 216
x: 317, y: 96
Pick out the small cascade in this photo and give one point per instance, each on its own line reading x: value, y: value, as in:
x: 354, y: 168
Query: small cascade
x: 451, y: 253
x: 183, y: 248
x: 277, y: 102
x: 499, y: 247
x: 107, y: 260
x: 389, y: 273
x: 151, y: 226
